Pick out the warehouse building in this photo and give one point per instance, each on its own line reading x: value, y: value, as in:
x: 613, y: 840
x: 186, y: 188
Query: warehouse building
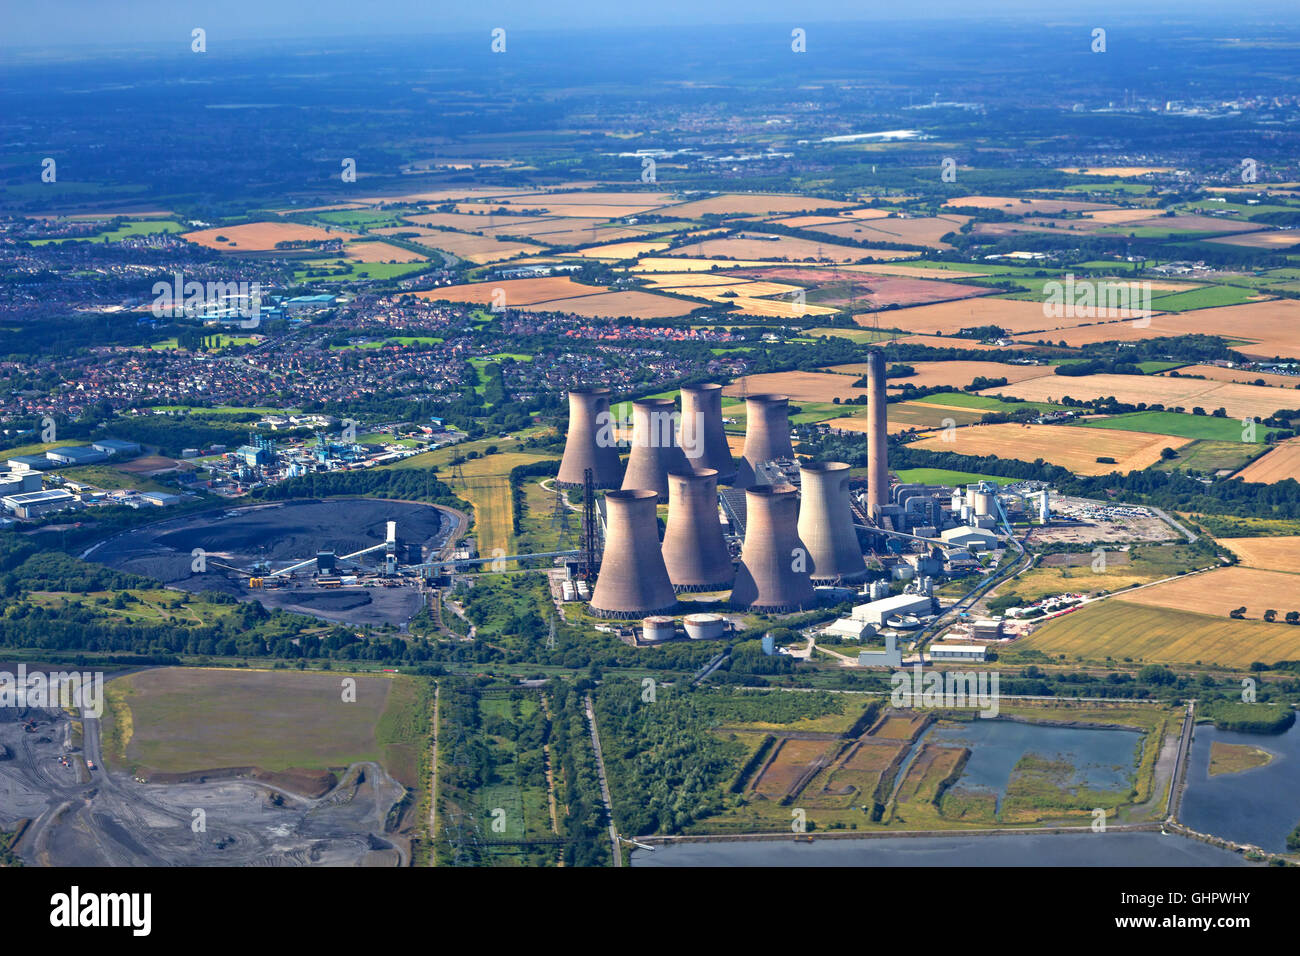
x: 957, y: 652
x: 30, y: 463
x: 19, y: 482
x: 33, y: 504
x: 977, y: 539
x: 76, y: 455
x: 878, y: 612
x: 116, y: 446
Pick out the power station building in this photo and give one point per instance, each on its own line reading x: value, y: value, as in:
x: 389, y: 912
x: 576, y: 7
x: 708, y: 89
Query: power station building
x: 773, y: 574
x: 590, y: 442
x: 826, y: 523
x: 694, y: 548
x: 633, y: 581
x: 655, y: 451
x: 702, y: 437
x: 767, y: 436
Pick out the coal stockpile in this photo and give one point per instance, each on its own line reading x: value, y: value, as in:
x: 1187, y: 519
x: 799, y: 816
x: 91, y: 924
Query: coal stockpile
x: 279, y: 535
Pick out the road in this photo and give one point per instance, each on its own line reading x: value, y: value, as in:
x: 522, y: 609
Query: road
x: 604, y: 784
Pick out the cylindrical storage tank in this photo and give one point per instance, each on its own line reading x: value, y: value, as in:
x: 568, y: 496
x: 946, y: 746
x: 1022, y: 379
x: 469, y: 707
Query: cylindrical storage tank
x: 695, y: 551
x: 633, y: 581
x: 965, y: 513
x: 703, y: 627
x: 654, y: 447
x: 877, y: 433
x: 591, y: 442
x: 767, y: 435
x: 826, y: 523
x: 983, y: 504
x: 773, y: 572
x: 655, y: 630
x: 902, y: 573
x: 703, y: 440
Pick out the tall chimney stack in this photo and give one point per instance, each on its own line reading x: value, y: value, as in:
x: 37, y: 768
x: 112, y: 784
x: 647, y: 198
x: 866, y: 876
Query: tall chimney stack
x: 877, y: 435
x: 826, y: 523
x: 767, y: 435
x: 654, y: 447
x: 703, y: 440
x: 695, y: 551
x: 773, y: 573
x: 590, y: 442
x: 633, y: 581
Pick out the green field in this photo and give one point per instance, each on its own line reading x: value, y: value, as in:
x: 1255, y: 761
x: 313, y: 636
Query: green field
x: 984, y: 402
x: 941, y: 476
x: 180, y: 720
x: 1210, y: 456
x: 1179, y: 424
x: 142, y: 227
x: 391, y: 340
x: 339, y: 270
x: 1123, y: 632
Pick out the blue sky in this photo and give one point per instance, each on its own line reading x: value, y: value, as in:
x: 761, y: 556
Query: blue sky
x: 62, y: 24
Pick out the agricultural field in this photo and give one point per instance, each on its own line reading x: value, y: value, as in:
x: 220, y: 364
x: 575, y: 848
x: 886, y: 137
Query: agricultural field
x: 1014, y: 205
x: 956, y: 374
x: 262, y: 236
x: 1240, y: 376
x: 178, y: 721
x: 1016, y: 316
x: 749, y: 204
x: 518, y: 292
x: 380, y: 252
x: 1181, y: 424
x: 1280, y: 464
x: 943, y: 476
x: 1239, y: 401
x: 1267, y: 329
x: 1130, y: 450
x: 800, y: 386
x: 1123, y: 630
x: 1213, y: 457
x: 782, y: 248
x: 925, y: 231
x: 1280, y: 551
x: 635, y: 305
x: 1220, y: 591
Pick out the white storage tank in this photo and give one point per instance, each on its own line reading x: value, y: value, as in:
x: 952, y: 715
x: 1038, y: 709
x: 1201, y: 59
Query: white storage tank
x: 902, y: 573
x: 656, y: 630
x: 568, y: 591
x: 700, y: 627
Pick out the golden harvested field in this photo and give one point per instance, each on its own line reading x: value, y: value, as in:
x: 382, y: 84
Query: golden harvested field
x: 262, y: 236
x: 1194, y: 223
x: 942, y: 341
x: 465, y: 222
x: 1121, y: 629
x: 1059, y: 445
x: 684, y: 264
x: 477, y: 249
x: 1269, y: 553
x: 956, y: 374
x: 942, y: 318
x: 908, y: 416
x: 681, y: 280
x: 380, y: 252
x: 741, y: 204
x: 1272, y: 327
x: 921, y: 231
x: 1219, y: 591
x: 800, y: 386
x: 1241, y: 401
x: 1266, y: 239
x: 1281, y: 463
x: 1238, y: 375
x: 1026, y: 207
x: 1116, y: 171
x: 784, y: 248
x: 636, y: 305
x: 518, y: 292
x: 618, y: 250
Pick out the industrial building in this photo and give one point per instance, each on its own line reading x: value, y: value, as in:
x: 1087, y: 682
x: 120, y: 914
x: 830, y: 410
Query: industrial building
x: 655, y: 451
x: 33, y: 504
x: 29, y: 463
x: 877, y: 434
x: 19, y: 482
x: 767, y: 436
x: 975, y: 539
x: 703, y: 439
x: 116, y: 446
x: 848, y: 628
x: 694, y: 549
x: 590, y: 443
x: 957, y: 652
x: 633, y: 581
x: 76, y: 455
x: 773, y: 576
x: 891, y: 656
x: 878, y: 612
x: 826, y: 523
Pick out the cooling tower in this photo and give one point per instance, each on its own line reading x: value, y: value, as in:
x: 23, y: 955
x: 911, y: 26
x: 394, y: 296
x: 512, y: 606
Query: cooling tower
x: 654, y: 447
x: 826, y: 523
x: 703, y: 440
x: 877, y: 434
x: 633, y: 581
x: 695, y: 551
x: 591, y: 441
x: 767, y: 435
x: 773, y: 573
